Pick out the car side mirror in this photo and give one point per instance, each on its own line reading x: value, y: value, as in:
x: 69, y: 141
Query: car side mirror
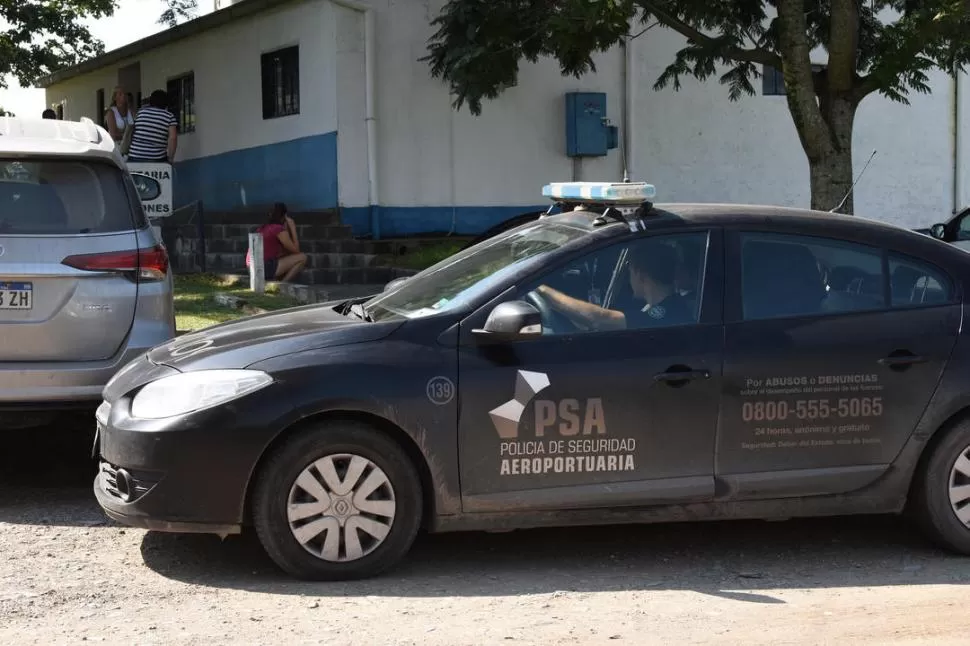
x: 511, y: 321
x: 938, y: 231
x: 394, y: 284
x: 147, y: 187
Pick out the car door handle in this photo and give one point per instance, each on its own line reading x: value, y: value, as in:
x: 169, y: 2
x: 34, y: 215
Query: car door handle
x: 899, y: 361
x: 674, y: 376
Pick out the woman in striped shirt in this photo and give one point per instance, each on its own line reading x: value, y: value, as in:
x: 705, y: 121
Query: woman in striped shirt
x: 155, y: 136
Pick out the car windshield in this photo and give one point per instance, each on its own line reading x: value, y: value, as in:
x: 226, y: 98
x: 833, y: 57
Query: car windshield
x: 62, y: 197
x: 471, y: 272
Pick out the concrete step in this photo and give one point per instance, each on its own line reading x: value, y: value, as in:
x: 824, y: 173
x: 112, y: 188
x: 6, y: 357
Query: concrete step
x: 340, y: 260
x: 225, y: 262
x: 305, y: 232
x: 226, y: 255
x: 255, y: 217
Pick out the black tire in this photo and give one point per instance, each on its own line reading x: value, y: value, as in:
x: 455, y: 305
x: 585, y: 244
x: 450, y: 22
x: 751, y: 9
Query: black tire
x: 276, y: 477
x: 930, y: 495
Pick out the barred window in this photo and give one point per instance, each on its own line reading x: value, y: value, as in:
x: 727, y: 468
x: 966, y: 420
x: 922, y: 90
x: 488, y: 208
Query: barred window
x: 281, y: 82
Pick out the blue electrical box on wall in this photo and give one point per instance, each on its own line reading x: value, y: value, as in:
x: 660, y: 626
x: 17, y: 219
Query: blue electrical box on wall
x: 587, y: 131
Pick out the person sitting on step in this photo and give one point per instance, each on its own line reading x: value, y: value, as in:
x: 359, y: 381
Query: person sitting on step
x: 282, y: 259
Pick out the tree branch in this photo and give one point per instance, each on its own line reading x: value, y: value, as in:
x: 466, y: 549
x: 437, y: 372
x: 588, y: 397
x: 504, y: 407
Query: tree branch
x: 737, y: 53
x: 864, y: 86
x: 813, y: 132
x: 642, y: 31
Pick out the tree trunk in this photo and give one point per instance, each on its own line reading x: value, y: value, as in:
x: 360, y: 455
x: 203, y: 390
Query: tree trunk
x: 831, y: 173
x: 822, y: 106
x: 831, y: 181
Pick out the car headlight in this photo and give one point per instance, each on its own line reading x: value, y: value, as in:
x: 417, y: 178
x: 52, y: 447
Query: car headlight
x: 193, y: 391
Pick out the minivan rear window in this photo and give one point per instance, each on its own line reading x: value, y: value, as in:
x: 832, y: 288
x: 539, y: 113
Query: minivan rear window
x: 62, y: 197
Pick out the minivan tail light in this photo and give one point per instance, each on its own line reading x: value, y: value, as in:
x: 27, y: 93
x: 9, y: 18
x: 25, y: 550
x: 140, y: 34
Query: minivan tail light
x: 141, y: 265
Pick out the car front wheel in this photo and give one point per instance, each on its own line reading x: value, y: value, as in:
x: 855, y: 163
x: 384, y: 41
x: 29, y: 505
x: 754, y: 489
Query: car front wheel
x: 336, y: 502
x: 942, y: 493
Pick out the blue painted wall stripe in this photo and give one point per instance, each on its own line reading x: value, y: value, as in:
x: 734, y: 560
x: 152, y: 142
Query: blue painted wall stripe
x: 301, y: 172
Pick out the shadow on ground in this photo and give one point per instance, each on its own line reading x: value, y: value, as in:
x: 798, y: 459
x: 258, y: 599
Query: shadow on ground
x: 734, y: 560
x: 46, y: 474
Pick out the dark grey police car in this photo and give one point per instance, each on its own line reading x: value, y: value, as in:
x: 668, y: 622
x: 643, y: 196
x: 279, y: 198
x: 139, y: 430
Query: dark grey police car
x: 616, y: 362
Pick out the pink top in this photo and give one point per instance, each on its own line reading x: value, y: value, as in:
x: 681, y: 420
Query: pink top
x: 272, y: 247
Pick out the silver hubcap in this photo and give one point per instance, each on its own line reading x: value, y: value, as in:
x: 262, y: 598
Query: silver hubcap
x: 960, y: 487
x: 341, y: 507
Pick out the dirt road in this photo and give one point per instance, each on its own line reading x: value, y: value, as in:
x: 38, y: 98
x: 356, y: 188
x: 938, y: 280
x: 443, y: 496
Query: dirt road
x: 69, y: 576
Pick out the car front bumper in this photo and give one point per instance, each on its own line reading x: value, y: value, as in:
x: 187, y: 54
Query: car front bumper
x: 135, y: 515
x: 183, y: 474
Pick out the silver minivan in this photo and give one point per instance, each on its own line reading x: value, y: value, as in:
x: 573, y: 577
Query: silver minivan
x: 85, y: 283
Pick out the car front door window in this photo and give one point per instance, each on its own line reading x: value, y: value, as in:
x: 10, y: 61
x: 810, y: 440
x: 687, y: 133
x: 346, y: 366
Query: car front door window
x: 645, y: 283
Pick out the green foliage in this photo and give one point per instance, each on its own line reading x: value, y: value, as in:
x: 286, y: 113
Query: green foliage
x: 40, y: 36
x: 478, y: 44
x: 178, y: 11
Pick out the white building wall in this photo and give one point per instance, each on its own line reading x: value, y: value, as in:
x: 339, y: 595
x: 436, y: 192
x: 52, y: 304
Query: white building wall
x: 226, y: 63
x: 439, y: 168
x: 695, y: 144
x: 432, y: 156
x: 348, y: 27
x: 962, y: 154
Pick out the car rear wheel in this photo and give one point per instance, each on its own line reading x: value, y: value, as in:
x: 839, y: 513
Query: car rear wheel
x: 337, y: 502
x: 942, y: 493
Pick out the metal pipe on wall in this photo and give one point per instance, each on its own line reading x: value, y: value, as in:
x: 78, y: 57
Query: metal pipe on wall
x: 957, y: 142
x: 628, y: 103
x: 370, y: 109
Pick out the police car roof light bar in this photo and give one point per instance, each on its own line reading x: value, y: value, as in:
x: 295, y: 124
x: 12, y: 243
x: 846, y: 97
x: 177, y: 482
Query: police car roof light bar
x: 601, y: 192
x: 609, y: 198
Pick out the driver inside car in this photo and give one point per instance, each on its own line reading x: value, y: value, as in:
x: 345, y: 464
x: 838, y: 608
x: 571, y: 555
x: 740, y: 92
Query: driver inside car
x: 653, y: 273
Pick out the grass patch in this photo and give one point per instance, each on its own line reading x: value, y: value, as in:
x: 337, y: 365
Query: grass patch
x: 424, y: 256
x: 196, y: 308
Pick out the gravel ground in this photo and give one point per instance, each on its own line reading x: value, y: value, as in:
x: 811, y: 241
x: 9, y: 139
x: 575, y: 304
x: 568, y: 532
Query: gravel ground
x: 72, y: 577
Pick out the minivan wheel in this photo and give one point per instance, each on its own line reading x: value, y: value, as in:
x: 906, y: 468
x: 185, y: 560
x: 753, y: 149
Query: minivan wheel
x: 336, y: 502
x: 942, y: 491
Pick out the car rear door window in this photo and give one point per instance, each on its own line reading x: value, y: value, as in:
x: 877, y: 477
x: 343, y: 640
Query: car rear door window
x: 914, y: 283
x: 62, y: 197
x: 789, y: 275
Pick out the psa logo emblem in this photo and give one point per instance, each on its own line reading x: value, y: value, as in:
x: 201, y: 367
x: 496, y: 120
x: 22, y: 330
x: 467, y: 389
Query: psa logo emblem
x: 565, y: 412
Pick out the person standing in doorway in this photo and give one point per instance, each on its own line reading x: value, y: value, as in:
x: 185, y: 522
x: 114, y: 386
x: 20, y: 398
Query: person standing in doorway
x: 118, y: 118
x: 282, y: 258
x: 155, y: 135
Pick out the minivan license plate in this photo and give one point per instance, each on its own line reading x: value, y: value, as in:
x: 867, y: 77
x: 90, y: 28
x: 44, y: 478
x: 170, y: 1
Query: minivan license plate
x: 16, y: 296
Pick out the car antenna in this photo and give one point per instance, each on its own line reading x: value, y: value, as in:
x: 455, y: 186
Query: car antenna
x: 851, y: 188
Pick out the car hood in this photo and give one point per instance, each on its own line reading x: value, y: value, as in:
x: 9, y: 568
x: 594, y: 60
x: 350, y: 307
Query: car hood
x: 256, y: 338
